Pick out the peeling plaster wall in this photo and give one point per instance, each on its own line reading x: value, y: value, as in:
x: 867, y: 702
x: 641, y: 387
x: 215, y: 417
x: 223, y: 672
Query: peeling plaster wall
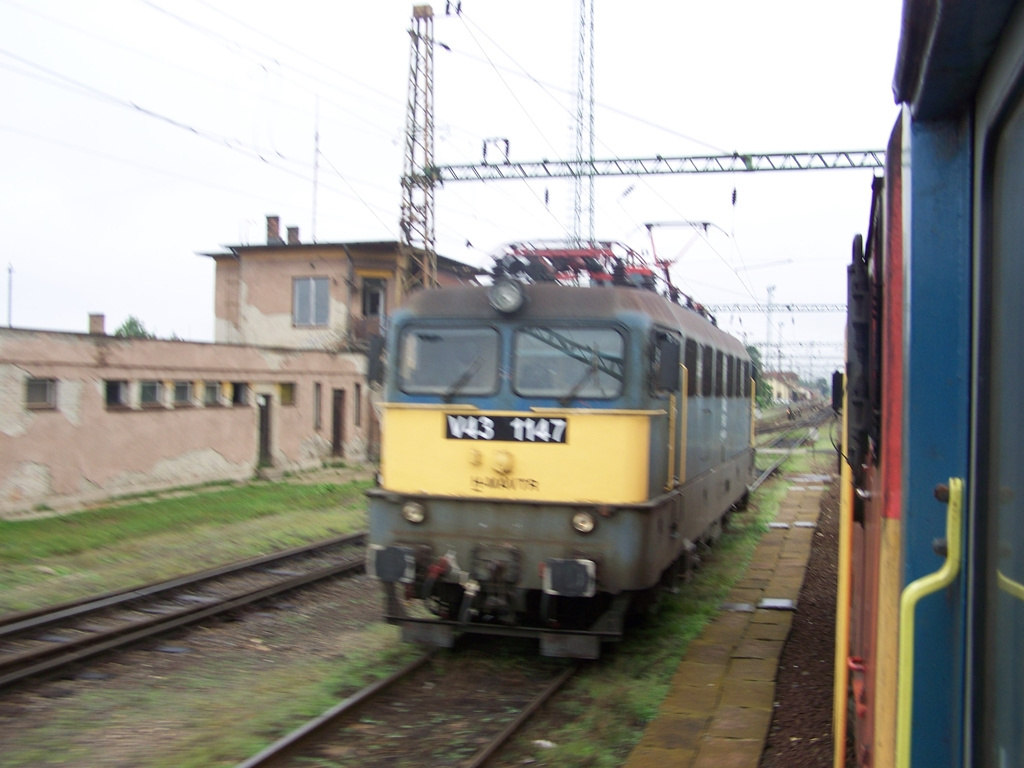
x: 84, y: 450
x: 254, y: 293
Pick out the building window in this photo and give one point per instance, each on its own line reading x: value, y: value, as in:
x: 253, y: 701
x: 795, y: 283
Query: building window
x: 151, y: 393
x: 316, y: 405
x: 373, y: 296
x: 358, y: 415
x: 182, y: 393
x: 286, y: 392
x: 310, y: 301
x: 239, y: 393
x: 211, y: 393
x: 116, y: 394
x: 41, y: 394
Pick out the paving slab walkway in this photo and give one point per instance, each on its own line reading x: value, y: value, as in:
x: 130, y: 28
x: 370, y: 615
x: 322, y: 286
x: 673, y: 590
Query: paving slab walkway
x: 719, y: 708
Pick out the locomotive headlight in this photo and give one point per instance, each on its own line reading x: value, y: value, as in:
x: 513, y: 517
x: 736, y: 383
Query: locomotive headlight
x: 583, y: 522
x: 506, y: 296
x: 414, y: 512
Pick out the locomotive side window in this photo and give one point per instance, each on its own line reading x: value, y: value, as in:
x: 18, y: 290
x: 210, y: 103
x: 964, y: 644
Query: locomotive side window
x: 690, y: 360
x: 719, y: 373
x: 567, y: 363
x: 665, y: 360
x: 448, y: 361
x: 706, y: 376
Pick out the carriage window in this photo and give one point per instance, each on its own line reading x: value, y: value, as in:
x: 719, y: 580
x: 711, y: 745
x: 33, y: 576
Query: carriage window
x: 730, y: 389
x: 707, y: 378
x: 690, y: 361
x: 448, y: 361
x: 719, y: 373
x: 569, y: 362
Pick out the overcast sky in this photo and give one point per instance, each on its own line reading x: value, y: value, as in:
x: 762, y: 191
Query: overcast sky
x: 139, y: 133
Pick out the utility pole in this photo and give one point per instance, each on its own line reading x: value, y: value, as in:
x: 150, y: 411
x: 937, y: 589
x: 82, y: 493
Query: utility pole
x: 316, y: 159
x: 768, y: 314
x: 419, y: 259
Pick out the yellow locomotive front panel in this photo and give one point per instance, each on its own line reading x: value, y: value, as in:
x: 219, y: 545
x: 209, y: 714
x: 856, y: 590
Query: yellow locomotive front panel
x: 543, y: 455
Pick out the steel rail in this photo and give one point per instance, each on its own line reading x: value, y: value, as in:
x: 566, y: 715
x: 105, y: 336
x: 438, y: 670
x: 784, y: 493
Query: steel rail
x: 485, y: 754
x: 294, y: 739
x: 57, y: 656
x: 14, y: 623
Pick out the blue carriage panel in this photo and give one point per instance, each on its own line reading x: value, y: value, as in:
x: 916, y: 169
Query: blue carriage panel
x: 936, y: 408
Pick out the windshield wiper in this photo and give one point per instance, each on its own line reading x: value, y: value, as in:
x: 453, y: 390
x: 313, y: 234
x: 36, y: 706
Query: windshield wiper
x: 575, y: 388
x: 463, y: 379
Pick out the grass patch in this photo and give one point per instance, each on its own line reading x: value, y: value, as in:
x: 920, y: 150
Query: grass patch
x: 29, y: 540
x: 50, y: 560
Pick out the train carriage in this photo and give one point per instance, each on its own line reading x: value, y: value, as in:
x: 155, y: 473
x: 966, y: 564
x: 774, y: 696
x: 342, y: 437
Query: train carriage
x: 931, y: 602
x: 550, y: 452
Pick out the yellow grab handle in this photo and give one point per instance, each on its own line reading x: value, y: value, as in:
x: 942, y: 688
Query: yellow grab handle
x: 912, y: 594
x: 1009, y: 586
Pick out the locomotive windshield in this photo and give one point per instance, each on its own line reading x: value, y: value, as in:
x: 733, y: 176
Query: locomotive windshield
x: 448, y: 361
x: 568, y: 363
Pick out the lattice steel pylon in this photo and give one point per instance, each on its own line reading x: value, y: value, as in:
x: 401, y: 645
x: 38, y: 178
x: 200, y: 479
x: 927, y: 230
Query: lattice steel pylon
x: 417, y: 247
x: 583, y: 187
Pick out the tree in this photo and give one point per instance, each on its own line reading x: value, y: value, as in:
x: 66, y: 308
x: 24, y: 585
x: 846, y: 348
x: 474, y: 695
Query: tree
x: 132, y: 328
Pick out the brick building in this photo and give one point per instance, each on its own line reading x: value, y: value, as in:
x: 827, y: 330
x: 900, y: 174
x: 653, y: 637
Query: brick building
x: 84, y: 416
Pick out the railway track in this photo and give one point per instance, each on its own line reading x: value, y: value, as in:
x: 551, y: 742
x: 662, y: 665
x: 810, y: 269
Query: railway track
x: 37, y: 642
x: 785, y: 444
x: 441, y: 709
x: 777, y: 420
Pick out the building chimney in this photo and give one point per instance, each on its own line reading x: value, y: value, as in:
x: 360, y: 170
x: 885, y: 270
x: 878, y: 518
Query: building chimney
x: 293, y: 235
x: 274, y: 231
x: 96, y: 325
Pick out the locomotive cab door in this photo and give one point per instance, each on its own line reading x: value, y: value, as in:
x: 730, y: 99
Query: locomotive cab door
x: 669, y: 379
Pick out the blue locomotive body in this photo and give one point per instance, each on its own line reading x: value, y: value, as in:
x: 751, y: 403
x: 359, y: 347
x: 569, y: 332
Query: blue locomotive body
x: 542, y: 466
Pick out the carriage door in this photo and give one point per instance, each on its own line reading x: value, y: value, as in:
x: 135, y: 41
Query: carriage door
x: 997, y: 501
x: 668, y: 382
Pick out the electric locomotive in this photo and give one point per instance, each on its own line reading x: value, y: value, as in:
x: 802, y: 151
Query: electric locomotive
x: 550, y: 450
x: 929, y: 670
